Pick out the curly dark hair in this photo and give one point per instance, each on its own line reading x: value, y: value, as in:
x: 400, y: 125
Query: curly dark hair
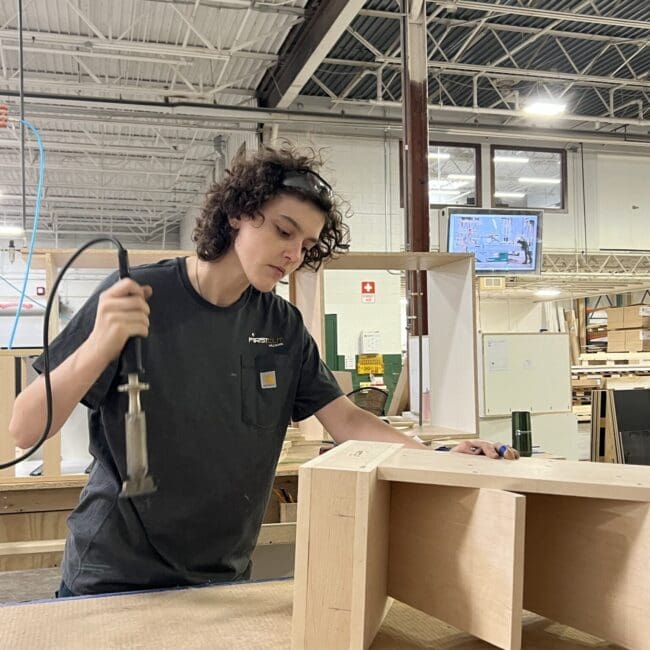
x: 248, y: 184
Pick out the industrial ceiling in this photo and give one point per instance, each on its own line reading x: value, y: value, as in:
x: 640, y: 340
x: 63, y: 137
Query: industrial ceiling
x: 137, y: 100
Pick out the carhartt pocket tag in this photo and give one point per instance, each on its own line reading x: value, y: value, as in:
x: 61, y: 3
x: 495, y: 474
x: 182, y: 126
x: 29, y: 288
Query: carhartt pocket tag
x: 267, y: 379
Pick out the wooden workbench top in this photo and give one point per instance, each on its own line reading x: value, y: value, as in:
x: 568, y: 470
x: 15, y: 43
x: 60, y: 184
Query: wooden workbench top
x: 561, y: 477
x: 251, y: 616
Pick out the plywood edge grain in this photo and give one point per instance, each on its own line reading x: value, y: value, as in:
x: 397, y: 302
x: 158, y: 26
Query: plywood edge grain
x: 562, y: 477
x: 355, y: 456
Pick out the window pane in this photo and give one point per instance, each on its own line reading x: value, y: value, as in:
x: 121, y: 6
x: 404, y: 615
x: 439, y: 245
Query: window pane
x: 452, y: 175
x: 528, y: 179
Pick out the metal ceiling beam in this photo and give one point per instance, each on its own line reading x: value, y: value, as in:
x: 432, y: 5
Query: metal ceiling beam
x: 74, y: 185
x: 73, y: 115
x: 111, y: 150
x: 502, y: 27
x: 508, y: 113
x: 93, y: 46
x: 550, y: 75
x: 323, y: 118
x: 54, y: 168
x: 567, y: 16
x: 246, y: 5
x: 78, y: 215
x: 378, y: 13
x: 467, y: 69
x: 138, y: 203
x: 146, y: 137
x: 153, y: 89
x: 521, y: 29
x: 534, y: 37
x: 312, y: 42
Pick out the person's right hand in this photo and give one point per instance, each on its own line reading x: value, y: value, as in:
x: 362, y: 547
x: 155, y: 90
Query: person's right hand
x: 122, y: 312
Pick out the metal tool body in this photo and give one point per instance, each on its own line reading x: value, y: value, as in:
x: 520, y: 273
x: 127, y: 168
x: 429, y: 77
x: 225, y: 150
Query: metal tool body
x: 138, y: 480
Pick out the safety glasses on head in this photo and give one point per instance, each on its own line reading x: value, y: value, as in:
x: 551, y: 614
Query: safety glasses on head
x: 310, y: 183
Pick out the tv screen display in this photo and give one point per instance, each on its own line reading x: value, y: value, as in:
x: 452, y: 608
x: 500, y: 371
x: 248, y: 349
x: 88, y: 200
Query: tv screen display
x: 506, y: 241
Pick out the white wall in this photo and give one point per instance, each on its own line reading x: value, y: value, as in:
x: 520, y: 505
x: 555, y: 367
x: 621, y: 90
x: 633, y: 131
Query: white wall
x: 233, y: 142
x: 622, y: 190
x: 365, y: 173
x: 497, y: 316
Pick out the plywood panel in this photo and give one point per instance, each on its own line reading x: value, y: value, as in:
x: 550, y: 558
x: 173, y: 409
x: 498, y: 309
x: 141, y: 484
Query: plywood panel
x: 395, y: 261
x: 18, y: 500
x: 452, y: 346
x: 52, y: 446
x: 96, y: 258
x: 32, y: 526
x: 370, y: 571
x: 586, y: 565
x: 457, y: 554
x: 341, y: 549
x: 331, y: 537
x: 307, y: 295
x: 7, y: 393
x: 43, y: 482
x: 301, y: 565
x: 564, y: 477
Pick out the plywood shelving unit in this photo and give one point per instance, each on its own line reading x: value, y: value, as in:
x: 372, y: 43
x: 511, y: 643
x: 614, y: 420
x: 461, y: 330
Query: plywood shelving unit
x: 452, y: 326
x: 471, y: 541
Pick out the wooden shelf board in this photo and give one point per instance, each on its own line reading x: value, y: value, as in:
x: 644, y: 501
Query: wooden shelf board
x: 101, y: 258
x: 394, y: 261
x: 562, y: 477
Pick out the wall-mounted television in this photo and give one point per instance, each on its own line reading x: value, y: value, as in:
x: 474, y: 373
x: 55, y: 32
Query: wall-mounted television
x: 503, y: 241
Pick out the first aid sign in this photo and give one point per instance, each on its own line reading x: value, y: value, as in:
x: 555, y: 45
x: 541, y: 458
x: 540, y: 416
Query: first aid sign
x: 368, y: 291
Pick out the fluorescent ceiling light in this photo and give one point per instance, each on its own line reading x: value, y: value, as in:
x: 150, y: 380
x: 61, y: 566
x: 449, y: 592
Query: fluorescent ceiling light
x: 439, y: 156
x: 461, y: 177
x: 11, y: 231
x: 511, y: 159
x: 539, y: 179
x: 544, y: 107
x: 509, y: 195
x: 548, y: 293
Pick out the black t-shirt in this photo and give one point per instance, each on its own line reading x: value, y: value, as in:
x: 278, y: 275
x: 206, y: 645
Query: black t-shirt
x: 224, y: 383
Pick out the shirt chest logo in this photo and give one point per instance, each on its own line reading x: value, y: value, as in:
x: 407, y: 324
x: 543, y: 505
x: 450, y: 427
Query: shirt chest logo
x: 272, y: 342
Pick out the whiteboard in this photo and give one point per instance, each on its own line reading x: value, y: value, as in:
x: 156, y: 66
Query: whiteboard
x: 525, y: 372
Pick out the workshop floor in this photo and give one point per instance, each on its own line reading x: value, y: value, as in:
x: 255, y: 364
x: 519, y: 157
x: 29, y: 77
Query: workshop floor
x: 37, y: 584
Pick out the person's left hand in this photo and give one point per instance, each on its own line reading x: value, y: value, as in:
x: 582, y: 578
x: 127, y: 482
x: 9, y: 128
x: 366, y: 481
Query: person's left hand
x: 489, y: 449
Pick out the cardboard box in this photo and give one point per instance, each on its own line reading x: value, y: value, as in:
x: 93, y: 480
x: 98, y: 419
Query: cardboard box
x: 615, y: 318
x: 627, y: 318
x: 637, y: 340
x: 636, y: 317
x: 615, y: 340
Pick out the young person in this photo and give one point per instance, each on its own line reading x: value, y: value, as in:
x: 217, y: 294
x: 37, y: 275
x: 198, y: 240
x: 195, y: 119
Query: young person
x: 229, y: 364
